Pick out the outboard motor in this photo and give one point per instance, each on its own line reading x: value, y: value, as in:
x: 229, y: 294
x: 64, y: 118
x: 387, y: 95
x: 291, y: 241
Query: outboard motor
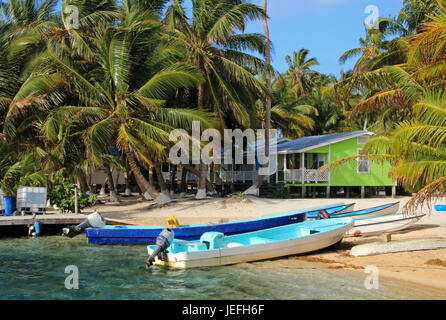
x: 94, y: 220
x: 163, y: 241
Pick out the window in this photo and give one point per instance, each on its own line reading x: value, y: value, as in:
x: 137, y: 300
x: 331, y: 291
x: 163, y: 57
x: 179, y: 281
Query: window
x: 293, y: 161
x: 363, y: 139
x: 321, y: 160
x: 363, y: 163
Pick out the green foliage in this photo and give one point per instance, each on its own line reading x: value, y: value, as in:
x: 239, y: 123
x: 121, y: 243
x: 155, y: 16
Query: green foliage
x: 61, y: 194
x: 17, y: 171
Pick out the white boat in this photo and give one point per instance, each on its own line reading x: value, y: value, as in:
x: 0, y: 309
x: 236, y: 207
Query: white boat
x: 215, y: 249
x: 384, y: 224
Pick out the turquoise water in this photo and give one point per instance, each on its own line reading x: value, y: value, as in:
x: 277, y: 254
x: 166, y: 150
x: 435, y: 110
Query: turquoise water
x: 35, y: 269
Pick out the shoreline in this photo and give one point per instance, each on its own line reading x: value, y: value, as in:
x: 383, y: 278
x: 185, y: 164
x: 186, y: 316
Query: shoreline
x: 408, y: 267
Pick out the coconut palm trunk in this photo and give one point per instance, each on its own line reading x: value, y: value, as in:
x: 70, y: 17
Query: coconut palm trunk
x: 159, y: 175
x: 128, y: 191
x: 201, y: 193
x: 102, y: 191
x: 148, y: 191
x: 183, y: 187
x: 173, y: 175
x: 196, y: 172
x: 82, y: 182
x: 255, y: 188
x: 111, y: 184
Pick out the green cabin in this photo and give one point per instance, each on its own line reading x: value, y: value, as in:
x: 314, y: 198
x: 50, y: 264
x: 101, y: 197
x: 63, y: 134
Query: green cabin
x: 297, y: 163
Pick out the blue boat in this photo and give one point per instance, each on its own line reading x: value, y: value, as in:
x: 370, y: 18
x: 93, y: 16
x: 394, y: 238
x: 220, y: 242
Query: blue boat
x: 147, y: 234
x: 440, y: 207
x: 378, y: 211
x: 216, y: 249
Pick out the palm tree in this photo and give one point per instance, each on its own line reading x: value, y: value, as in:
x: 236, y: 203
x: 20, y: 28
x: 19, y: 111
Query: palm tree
x: 264, y: 110
x: 20, y: 43
x: 389, y: 91
x: 19, y: 169
x: 214, y: 45
x: 27, y: 91
x: 300, y: 72
x: 123, y: 95
x: 288, y: 114
x: 417, y: 148
x: 416, y: 143
x: 417, y: 12
x: 32, y: 88
x: 369, y: 50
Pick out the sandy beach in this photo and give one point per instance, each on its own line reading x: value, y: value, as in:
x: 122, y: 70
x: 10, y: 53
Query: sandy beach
x: 424, y: 268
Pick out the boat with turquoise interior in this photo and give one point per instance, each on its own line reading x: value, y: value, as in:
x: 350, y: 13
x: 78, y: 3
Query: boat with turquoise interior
x: 215, y: 248
x: 140, y: 234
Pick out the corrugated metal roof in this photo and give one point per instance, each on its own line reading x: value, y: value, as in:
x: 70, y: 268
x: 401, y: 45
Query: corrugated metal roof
x: 308, y: 142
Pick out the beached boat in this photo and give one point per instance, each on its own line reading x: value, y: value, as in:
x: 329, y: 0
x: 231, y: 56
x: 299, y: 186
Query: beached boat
x: 147, y: 234
x: 440, y: 207
x: 215, y: 249
x: 378, y: 211
x: 384, y: 224
x: 336, y: 208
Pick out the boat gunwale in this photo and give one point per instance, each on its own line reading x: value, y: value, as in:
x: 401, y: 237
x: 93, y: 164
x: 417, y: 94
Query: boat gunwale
x: 388, y: 221
x: 381, y: 207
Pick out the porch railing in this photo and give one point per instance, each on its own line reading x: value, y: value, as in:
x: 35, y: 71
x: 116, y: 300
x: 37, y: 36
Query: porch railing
x: 289, y: 176
x: 306, y: 176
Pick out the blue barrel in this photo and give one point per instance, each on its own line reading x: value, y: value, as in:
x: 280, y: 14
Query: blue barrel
x: 37, y: 227
x: 9, y: 205
x: 440, y: 207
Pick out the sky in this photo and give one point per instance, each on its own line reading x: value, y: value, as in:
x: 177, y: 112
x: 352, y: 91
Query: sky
x: 327, y: 28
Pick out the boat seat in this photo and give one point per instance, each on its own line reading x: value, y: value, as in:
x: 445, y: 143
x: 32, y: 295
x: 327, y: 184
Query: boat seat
x: 258, y: 240
x: 189, y: 246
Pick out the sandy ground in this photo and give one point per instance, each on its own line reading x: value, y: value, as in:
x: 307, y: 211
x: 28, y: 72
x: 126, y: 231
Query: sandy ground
x: 407, y: 266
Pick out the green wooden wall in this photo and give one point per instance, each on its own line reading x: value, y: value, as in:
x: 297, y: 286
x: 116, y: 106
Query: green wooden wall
x: 347, y: 174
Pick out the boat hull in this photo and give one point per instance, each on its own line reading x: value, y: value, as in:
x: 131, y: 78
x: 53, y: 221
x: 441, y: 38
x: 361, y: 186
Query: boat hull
x: 385, y: 224
x: 256, y: 252
x: 379, y: 211
x: 148, y: 234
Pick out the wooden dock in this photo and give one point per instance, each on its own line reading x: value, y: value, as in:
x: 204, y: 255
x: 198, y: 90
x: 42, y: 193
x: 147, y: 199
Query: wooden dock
x: 51, y: 219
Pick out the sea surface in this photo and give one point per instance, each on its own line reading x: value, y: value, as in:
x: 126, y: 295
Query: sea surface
x: 44, y: 267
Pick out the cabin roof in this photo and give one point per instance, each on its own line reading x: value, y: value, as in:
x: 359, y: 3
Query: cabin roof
x: 313, y: 142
